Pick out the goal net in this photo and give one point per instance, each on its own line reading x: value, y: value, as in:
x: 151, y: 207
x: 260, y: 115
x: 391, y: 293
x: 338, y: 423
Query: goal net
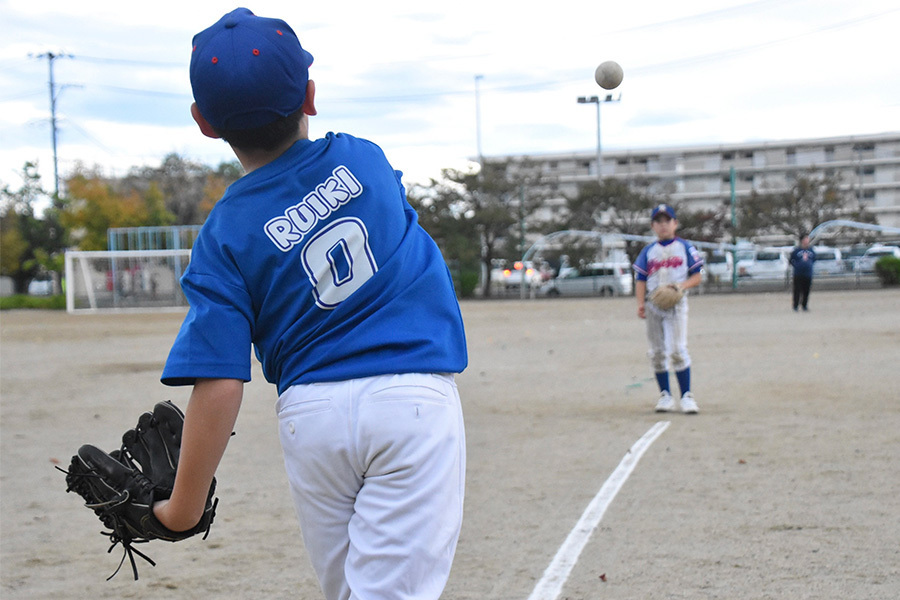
x: 132, y: 280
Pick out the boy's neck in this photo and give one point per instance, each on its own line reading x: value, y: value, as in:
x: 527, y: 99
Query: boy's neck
x: 252, y: 160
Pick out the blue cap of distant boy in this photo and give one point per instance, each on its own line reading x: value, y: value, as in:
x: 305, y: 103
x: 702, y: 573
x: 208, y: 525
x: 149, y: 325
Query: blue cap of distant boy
x: 247, y: 71
x: 664, y: 209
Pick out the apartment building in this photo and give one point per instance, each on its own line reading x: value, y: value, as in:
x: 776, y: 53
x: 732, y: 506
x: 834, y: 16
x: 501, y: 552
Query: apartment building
x: 700, y: 177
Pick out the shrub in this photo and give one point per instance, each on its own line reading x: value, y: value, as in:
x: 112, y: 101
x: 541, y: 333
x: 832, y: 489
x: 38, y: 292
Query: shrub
x: 468, y: 283
x: 24, y: 301
x: 888, y: 270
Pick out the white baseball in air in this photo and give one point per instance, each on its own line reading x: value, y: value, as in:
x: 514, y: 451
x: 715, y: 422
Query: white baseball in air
x: 609, y: 75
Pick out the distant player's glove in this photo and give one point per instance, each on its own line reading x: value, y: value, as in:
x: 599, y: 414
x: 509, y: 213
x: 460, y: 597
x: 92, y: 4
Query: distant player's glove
x: 121, y: 486
x: 666, y: 297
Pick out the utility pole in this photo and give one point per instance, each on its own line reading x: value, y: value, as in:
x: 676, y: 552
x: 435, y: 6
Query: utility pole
x: 50, y: 56
x: 478, y: 79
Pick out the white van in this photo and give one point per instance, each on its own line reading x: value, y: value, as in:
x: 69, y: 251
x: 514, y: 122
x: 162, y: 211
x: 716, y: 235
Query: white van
x: 719, y: 266
x: 867, y: 262
x: 766, y: 263
x: 596, y: 279
x: 828, y: 261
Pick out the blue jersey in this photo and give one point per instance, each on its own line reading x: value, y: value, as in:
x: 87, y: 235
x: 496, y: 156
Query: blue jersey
x: 318, y: 261
x: 668, y: 261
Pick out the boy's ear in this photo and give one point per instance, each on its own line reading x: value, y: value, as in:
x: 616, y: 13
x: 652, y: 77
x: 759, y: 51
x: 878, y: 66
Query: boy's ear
x: 205, y: 128
x: 309, y: 102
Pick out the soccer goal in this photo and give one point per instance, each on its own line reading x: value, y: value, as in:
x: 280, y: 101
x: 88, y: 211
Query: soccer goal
x: 125, y: 280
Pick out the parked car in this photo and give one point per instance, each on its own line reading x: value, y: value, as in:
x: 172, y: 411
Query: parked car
x: 510, y: 278
x: 850, y: 256
x: 867, y: 262
x: 767, y: 263
x: 828, y: 261
x: 719, y: 267
x: 40, y: 287
x: 596, y: 279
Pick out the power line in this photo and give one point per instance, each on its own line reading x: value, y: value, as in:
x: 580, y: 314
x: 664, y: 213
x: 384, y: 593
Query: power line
x: 128, y: 61
x: 706, y: 16
x: 116, y: 88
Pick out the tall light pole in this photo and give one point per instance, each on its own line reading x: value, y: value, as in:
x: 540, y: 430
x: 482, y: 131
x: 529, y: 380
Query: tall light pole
x: 596, y: 100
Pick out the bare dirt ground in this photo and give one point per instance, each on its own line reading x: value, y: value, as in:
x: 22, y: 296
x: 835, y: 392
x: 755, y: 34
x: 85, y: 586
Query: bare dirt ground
x: 786, y: 485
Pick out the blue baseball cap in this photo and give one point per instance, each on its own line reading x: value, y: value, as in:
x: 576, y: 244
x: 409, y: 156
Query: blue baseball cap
x: 247, y: 71
x: 664, y: 209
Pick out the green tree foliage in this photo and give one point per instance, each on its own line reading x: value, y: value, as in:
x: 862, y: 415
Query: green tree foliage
x: 441, y: 214
x: 811, y: 201
x: 496, y: 202
x: 30, y: 242
x: 95, y: 205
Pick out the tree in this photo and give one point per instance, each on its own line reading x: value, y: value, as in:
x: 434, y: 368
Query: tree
x: 95, y: 205
x: 216, y: 184
x: 443, y: 215
x: 613, y: 206
x: 498, y: 200
x: 182, y: 183
x: 810, y: 201
x: 30, y: 243
x: 704, y: 225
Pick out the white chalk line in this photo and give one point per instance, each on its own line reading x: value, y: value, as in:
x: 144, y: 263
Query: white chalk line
x: 550, y: 585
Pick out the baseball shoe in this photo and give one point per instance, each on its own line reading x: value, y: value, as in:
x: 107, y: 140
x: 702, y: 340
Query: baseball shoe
x: 688, y: 405
x: 666, y: 402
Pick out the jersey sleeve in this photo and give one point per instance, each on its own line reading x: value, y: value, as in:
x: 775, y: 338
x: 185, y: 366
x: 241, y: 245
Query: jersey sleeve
x: 215, y: 338
x: 694, y: 258
x: 640, y: 265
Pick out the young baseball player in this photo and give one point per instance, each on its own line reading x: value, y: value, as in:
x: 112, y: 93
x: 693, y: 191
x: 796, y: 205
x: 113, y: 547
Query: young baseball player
x: 315, y: 259
x: 672, y: 261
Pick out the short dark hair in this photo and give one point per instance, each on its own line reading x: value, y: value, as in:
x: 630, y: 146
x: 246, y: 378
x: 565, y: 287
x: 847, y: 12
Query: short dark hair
x: 268, y: 137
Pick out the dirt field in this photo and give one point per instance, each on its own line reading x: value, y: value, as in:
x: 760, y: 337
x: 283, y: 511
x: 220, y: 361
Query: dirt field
x: 786, y: 485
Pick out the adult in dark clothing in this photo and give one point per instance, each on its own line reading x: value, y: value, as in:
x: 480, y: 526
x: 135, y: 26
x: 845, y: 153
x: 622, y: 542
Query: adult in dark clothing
x: 802, y: 259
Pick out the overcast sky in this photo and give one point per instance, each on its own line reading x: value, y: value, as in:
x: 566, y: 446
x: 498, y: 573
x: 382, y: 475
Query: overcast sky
x: 403, y: 74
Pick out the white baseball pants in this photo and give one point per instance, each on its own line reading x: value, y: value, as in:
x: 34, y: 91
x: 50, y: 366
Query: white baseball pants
x: 667, y: 336
x: 377, y: 474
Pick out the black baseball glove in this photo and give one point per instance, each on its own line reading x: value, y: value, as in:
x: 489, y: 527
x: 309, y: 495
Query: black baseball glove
x: 121, y: 486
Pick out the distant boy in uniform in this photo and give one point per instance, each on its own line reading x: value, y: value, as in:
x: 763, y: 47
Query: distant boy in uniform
x: 315, y: 258
x: 668, y: 261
